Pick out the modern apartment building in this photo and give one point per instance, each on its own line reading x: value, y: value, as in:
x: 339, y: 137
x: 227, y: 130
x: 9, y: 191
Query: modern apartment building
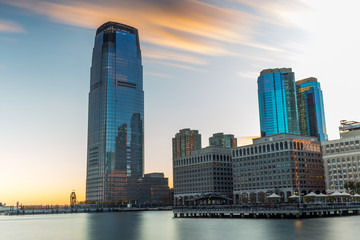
x: 342, y: 157
x: 185, y: 141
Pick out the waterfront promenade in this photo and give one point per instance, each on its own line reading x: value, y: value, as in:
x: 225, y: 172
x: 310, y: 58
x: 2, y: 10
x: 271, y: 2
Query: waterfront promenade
x: 82, y: 209
x: 269, y: 211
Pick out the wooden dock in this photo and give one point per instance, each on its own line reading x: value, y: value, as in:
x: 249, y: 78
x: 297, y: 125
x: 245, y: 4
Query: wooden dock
x: 305, y: 211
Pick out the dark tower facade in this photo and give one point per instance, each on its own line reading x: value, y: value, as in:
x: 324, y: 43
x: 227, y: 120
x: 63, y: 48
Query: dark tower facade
x: 311, y: 109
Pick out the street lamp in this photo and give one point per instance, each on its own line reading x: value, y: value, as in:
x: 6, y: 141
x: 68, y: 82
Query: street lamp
x: 299, y: 189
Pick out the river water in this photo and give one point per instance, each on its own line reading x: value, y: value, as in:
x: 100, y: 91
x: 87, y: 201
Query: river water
x: 160, y: 225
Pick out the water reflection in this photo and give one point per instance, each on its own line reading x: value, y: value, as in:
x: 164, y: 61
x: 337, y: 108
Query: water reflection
x: 125, y: 225
x: 161, y: 225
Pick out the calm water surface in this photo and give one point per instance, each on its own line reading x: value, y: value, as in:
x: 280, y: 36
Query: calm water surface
x: 161, y: 225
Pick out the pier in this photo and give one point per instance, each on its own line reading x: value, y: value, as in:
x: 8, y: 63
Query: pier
x: 274, y: 211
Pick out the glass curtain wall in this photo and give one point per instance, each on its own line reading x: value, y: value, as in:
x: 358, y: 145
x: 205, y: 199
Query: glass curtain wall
x: 277, y: 102
x: 115, y: 158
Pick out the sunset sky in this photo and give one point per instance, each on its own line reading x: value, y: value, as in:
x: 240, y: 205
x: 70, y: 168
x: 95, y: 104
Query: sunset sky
x: 201, y: 62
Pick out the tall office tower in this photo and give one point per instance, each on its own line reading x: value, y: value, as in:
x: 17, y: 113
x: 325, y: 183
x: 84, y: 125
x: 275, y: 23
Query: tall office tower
x: 185, y: 141
x: 277, y: 102
x: 115, y: 157
x: 311, y: 108
x: 221, y: 140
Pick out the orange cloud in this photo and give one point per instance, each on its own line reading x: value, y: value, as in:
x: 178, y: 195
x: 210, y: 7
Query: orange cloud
x: 246, y: 140
x: 10, y: 26
x: 188, y: 25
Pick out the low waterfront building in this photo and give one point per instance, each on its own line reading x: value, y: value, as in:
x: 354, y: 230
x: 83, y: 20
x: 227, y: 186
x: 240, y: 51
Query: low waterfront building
x: 342, y: 157
x: 281, y: 163
x: 153, y: 190
x: 205, y: 171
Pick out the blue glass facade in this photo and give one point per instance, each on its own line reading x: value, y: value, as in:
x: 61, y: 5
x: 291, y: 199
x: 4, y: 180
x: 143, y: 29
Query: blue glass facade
x: 115, y: 157
x: 311, y: 109
x: 277, y: 102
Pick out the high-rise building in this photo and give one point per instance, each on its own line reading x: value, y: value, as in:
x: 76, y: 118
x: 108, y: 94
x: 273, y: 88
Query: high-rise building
x: 185, y: 141
x: 311, y: 108
x: 277, y: 102
x: 342, y: 157
x: 115, y: 154
x: 221, y: 140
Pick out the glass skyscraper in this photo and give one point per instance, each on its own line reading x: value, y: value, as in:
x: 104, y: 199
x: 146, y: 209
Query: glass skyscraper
x: 311, y: 109
x: 115, y: 154
x: 277, y: 102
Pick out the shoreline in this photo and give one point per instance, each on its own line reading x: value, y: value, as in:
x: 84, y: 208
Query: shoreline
x: 79, y: 210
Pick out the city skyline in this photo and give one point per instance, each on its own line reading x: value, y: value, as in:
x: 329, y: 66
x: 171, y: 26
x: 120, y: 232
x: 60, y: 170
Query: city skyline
x: 201, y: 63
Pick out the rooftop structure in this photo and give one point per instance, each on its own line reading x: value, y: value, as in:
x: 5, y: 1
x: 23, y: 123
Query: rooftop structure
x: 223, y: 140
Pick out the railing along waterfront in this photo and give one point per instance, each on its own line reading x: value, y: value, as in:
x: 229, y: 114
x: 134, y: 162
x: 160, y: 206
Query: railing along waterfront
x: 81, y: 209
x: 269, y: 211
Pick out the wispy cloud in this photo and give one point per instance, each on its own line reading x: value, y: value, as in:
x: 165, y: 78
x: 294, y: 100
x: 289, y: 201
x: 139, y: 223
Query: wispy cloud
x: 192, y: 27
x: 161, y: 54
x: 10, y: 26
x: 162, y: 75
x: 182, y: 66
x: 187, y: 25
x: 248, y: 75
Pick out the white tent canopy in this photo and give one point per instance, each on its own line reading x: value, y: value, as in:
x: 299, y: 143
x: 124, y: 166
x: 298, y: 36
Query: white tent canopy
x: 345, y: 194
x: 296, y: 196
x: 336, y: 194
x: 274, y: 195
x: 312, y: 194
x: 321, y: 195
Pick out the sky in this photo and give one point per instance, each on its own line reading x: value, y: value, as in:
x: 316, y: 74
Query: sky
x: 201, y: 61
